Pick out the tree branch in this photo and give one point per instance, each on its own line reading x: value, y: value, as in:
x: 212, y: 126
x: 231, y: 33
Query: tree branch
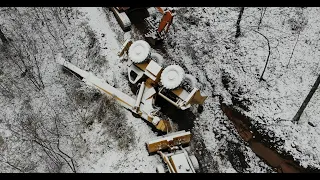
x: 238, y: 32
x: 263, y: 11
x: 293, y: 48
x: 269, y: 52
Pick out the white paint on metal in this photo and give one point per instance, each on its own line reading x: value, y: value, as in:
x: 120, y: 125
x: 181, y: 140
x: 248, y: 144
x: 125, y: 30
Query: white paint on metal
x: 169, y: 137
x: 155, y: 120
x: 154, y: 68
x: 172, y: 76
x: 181, y: 164
x: 139, y: 97
x: 139, y: 51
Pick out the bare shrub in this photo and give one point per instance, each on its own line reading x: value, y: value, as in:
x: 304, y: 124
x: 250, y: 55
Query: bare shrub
x: 297, y: 24
x: 297, y: 21
x: 36, y: 132
x: 229, y: 81
x: 94, y: 48
x: 85, y: 95
x: 113, y: 118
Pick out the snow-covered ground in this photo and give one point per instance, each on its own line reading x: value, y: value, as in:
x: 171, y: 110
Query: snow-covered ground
x: 92, y: 146
x: 135, y: 159
x: 214, y: 52
x: 201, y: 40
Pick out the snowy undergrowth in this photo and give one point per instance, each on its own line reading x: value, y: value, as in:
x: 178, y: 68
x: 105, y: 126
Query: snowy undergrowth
x: 201, y: 40
x: 287, y: 82
x: 67, y: 99
x: 39, y: 122
x: 199, y: 44
x: 233, y: 67
x: 135, y: 158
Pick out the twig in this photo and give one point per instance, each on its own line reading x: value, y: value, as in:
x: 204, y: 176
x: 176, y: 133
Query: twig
x: 293, y: 49
x: 58, y: 146
x: 261, y: 17
x: 14, y: 166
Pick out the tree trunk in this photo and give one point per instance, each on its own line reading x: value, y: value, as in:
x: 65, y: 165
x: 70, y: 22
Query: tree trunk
x: 238, y: 32
x: 3, y: 37
x: 306, y: 101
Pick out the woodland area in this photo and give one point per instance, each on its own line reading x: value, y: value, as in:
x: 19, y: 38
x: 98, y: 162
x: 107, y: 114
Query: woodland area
x: 263, y: 62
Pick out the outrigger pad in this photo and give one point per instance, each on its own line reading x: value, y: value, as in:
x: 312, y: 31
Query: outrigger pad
x: 173, y: 139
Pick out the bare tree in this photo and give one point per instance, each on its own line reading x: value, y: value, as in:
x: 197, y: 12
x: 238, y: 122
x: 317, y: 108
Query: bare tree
x: 238, y: 32
x: 315, y: 86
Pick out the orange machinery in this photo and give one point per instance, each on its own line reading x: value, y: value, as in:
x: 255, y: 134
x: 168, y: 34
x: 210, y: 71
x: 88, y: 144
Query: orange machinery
x: 156, y: 31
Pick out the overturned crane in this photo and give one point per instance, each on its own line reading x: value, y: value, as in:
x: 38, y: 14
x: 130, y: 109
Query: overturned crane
x: 171, y: 83
x: 152, y: 80
x: 141, y: 106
